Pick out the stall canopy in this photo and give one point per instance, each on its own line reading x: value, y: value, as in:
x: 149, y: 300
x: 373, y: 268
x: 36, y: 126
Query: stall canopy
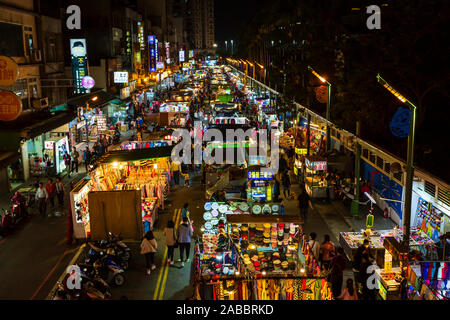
x: 135, y: 155
x: 247, y: 218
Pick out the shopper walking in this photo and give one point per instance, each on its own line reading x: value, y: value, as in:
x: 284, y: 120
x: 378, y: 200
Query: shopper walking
x: 304, y: 201
x: 176, y: 171
x: 51, y: 191
x: 276, y: 190
x: 337, y: 267
x: 326, y: 252
x: 185, y: 211
x: 169, y: 234
x: 67, y: 162
x: 350, y: 292
x: 314, y: 245
x: 41, y: 198
x: 148, y: 249
x: 75, y: 156
x: 184, y: 236
x: 286, y: 181
x: 59, y: 186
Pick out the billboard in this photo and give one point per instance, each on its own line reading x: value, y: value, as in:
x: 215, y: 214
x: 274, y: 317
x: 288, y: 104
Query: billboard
x: 167, y: 52
x: 152, y: 53
x: 79, y: 64
x: 121, y: 77
x: 181, y: 56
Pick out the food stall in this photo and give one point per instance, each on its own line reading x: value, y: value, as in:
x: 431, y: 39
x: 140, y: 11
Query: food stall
x: 146, y: 171
x: 314, y: 175
x: 259, y: 185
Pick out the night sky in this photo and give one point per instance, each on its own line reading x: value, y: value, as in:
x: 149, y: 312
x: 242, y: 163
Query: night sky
x: 231, y: 18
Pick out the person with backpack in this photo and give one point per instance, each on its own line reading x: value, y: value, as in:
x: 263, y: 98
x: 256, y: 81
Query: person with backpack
x: 314, y: 245
x: 148, y: 249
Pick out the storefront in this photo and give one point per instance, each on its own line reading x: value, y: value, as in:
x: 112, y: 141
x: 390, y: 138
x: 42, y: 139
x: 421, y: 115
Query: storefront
x: 259, y: 188
x: 54, y: 150
x: 131, y: 184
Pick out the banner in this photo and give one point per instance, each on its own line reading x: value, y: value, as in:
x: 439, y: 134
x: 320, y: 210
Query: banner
x: 152, y: 53
x: 79, y: 64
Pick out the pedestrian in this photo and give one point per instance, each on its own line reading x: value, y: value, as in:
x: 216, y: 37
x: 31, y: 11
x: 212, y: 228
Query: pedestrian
x: 304, y: 201
x: 176, y: 171
x: 337, y: 267
x: 184, y: 235
x: 69, y: 235
x: 59, y: 186
x: 51, y: 191
x: 326, y: 252
x: 369, y: 291
x: 286, y: 181
x: 350, y: 292
x: 41, y: 198
x: 75, y: 156
x: 314, y: 245
x: 357, y: 260
x: 148, y: 249
x: 276, y: 190
x: 169, y: 233
x: 87, y: 158
x: 185, y: 211
x: 67, y: 162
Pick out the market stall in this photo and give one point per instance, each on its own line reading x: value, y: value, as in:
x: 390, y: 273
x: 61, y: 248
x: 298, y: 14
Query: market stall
x: 428, y: 280
x: 350, y: 241
x: 257, y: 258
x: 259, y: 185
x: 314, y: 176
x: 143, y: 170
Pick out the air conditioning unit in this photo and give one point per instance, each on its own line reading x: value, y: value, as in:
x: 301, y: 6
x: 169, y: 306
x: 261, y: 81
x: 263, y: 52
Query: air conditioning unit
x: 40, y: 103
x: 37, y: 55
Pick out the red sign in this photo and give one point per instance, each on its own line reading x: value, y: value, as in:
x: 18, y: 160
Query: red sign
x: 9, y: 71
x: 10, y: 106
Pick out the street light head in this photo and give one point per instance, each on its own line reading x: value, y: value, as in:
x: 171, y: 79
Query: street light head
x: 391, y: 89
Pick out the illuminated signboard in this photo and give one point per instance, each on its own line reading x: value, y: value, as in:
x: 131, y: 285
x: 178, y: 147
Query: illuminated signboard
x: 181, y: 56
x: 141, y: 36
x: 79, y: 64
x: 316, y: 165
x: 191, y: 54
x: 186, y: 65
x: 167, y: 52
x: 260, y: 175
x: 48, y: 144
x: 156, y: 50
x: 121, y: 77
x: 159, y: 65
x: 152, y: 53
x: 301, y: 151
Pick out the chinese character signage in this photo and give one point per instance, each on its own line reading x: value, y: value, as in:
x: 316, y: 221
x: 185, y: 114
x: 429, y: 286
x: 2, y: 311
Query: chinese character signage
x: 301, y: 151
x: 316, y: 165
x: 260, y: 175
x: 157, y: 50
x: 141, y: 36
x: 167, y: 52
x: 79, y: 64
x: 152, y: 53
x: 181, y: 57
x: 121, y: 77
x: 159, y: 65
x: 9, y: 71
x: 10, y: 106
x: 191, y: 54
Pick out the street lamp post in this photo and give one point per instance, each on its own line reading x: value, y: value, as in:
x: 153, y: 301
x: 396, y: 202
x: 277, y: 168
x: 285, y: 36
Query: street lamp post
x: 323, y: 80
x: 409, y: 161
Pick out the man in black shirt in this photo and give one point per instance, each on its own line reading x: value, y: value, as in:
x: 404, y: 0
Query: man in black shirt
x: 303, y: 202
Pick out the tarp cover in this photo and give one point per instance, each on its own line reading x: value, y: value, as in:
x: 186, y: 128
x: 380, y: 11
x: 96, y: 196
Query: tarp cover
x: 118, y: 212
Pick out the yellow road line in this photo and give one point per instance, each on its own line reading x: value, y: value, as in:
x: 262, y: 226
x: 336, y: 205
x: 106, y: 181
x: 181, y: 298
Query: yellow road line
x: 164, y: 262
x: 166, y: 271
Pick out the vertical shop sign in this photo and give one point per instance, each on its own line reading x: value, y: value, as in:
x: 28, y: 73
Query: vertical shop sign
x: 191, y: 54
x: 79, y: 63
x: 156, y: 50
x: 181, y: 56
x: 152, y: 53
x: 167, y: 52
x: 141, y: 36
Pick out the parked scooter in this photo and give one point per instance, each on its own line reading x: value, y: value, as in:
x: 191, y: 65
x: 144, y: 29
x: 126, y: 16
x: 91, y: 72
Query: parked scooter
x: 96, y: 253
